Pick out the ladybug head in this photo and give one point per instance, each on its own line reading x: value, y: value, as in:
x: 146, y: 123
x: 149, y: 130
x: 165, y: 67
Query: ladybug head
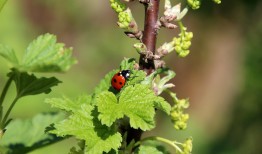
x: 125, y: 73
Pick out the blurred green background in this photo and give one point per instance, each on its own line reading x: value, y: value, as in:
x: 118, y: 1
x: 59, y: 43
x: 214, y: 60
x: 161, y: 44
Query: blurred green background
x: 222, y: 76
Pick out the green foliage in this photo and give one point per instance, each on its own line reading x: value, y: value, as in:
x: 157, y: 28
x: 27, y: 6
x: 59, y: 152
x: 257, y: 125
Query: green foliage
x: 42, y: 55
x: 26, y: 135
x: 144, y: 149
x: 8, y: 54
x: 83, y: 124
x: 27, y: 84
x: 96, y: 119
x: 136, y: 102
x: 45, y: 55
x: 97, y: 114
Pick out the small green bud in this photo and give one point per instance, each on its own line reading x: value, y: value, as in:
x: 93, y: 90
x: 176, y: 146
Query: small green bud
x: 183, y: 53
x: 124, y: 19
x: 178, y: 49
x: 177, y: 41
x: 185, y: 117
x: 217, y: 1
x: 186, y: 45
x: 194, y: 4
x: 188, y: 35
x: 140, y: 48
x: 117, y: 6
x: 188, y: 146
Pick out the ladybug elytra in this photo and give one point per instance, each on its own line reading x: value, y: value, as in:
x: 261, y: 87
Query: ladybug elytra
x: 119, y: 79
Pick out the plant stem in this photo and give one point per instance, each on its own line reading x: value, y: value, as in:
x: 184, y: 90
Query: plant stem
x: 7, y: 85
x: 149, y: 39
x: 150, y: 34
x: 5, y: 90
x: 3, y: 123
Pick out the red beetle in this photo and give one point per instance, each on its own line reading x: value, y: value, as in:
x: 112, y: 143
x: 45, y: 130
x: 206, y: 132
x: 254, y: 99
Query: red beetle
x: 119, y: 79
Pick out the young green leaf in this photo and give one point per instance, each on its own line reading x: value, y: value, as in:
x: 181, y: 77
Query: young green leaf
x: 105, y: 83
x: 68, y: 104
x: 45, y: 55
x: 26, y: 135
x: 9, y: 54
x: 31, y: 85
x: 84, y: 125
x: 137, y: 102
x: 127, y: 64
x: 145, y: 149
x: 136, y: 76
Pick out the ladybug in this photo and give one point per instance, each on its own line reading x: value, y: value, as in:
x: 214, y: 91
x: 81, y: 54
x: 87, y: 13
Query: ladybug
x: 119, y: 79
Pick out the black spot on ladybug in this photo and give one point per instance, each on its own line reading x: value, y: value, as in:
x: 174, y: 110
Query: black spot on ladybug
x: 114, y: 80
x: 120, y: 83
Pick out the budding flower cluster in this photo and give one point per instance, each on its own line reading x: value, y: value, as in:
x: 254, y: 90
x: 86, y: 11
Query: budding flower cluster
x: 194, y: 4
x: 117, y: 6
x: 187, y: 146
x: 124, y: 14
x: 182, y: 43
x: 124, y: 19
x: 179, y: 118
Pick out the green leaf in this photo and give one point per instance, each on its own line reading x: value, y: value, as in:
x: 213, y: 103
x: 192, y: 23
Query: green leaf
x: 68, y: 104
x: 9, y: 54
x: 162, y: 105
x: 45, y: 55
x: 136, y: 102
x: 2, y: 3
x: 145, y: 149
x: 26, y: 135
x: 84, y: 126
x: 79, y: 149
x: 105, y: 83
x: 127, y: 64
x: 162, y: 84
x: 31, y: 85
x: 136, y: 76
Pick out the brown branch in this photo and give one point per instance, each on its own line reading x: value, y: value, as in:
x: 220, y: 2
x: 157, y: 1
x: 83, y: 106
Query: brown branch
x: 149, y: 39
x: 149, y: 35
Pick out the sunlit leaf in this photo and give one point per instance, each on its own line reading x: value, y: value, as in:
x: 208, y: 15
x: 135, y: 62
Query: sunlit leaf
x: 9, y: 54
x: 84, y: 125
x: 46, y: 55
x: 136, y: 102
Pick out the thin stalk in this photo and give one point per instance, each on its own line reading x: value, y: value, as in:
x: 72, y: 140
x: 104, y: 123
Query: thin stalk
x: 2, y: 97
x: 7, y: 85
x: 3, y: 123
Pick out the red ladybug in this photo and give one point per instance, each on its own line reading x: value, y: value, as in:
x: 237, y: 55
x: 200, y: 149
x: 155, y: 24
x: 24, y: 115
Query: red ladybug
x: 119, y: 79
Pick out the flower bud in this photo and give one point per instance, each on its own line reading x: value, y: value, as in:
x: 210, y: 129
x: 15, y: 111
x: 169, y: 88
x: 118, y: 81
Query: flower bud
x: 194, y: 4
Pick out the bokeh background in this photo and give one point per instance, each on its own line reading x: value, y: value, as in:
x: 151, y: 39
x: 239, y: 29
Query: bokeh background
x: 222, y: 76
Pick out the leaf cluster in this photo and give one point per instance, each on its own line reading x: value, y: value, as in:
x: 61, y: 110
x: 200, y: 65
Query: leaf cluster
x: 43, y: 54
x: 95, y: 118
